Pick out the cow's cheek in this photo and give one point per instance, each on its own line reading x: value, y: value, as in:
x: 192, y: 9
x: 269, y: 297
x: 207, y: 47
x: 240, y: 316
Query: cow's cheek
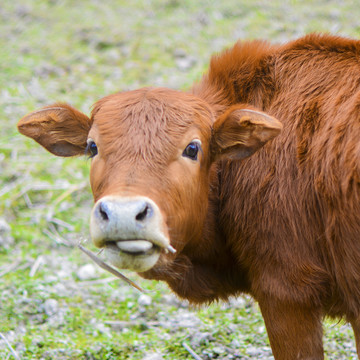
x: 185, y: 203
x: 98, y: 177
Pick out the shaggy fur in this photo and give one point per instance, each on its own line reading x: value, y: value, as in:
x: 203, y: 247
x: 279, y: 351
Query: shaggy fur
x: 291, y: 213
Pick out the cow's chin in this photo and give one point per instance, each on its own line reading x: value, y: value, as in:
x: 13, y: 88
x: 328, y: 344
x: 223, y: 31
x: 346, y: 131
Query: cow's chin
x: 135, y: 255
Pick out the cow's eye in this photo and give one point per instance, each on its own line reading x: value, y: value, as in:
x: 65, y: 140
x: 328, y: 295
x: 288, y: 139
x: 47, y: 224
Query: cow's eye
x: 191, y: 151
x: 91, y: 148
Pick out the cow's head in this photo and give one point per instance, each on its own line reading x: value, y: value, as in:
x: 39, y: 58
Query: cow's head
x: 151, y: 152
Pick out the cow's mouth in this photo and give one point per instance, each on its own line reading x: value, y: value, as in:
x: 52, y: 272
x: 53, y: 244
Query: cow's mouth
x: 136, y: 255
x: 132, y: 247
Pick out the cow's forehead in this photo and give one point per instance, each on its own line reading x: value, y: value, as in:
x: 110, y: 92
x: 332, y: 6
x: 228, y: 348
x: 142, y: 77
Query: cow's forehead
x: 150, y: 120
x: 159, y: 107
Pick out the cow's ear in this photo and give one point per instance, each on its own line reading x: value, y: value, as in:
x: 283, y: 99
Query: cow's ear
x: 240, y: 131
x: 59, y: 128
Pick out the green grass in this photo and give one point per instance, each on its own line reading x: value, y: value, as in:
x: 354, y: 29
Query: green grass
x: 78, y: 52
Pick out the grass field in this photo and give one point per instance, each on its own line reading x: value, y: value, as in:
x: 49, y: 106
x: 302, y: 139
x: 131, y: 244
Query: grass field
x: 55, y: 304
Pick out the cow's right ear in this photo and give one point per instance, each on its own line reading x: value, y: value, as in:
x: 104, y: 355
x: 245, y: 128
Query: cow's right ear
x: 59, y: 128
x: 241, y: 131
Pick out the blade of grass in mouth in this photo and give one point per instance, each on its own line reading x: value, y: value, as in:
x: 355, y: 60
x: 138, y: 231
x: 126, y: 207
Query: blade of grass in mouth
x: 108, y: 268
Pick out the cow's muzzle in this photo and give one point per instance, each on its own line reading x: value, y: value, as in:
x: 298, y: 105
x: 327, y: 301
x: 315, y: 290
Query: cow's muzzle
x: 131, y: 229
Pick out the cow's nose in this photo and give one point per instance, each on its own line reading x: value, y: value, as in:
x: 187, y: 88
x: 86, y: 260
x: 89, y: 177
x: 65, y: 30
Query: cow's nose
x: 116, y: 218
x: 109, y: 211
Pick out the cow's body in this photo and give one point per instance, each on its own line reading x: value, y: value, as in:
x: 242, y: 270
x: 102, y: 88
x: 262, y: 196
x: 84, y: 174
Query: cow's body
x: 283, y: 225
x: 297, y: 234
x: 302, y: 190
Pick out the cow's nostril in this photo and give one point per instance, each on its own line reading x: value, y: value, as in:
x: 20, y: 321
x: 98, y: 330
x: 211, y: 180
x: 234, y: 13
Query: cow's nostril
x: 142, y: 215
x: 103, y: 213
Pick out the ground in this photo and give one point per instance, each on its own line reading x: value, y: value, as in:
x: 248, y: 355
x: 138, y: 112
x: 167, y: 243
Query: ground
x: 55, y: 303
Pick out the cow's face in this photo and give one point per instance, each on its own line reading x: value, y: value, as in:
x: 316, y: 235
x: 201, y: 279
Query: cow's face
x: 151, y: 152
x: 149, y: 170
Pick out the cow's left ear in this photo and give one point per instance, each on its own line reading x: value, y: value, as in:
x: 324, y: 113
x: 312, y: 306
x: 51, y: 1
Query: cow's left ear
x: 240, y: 131
x: 59, y: 128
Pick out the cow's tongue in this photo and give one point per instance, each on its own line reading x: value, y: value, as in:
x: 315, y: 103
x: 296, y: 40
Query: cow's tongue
x: 134, y: 246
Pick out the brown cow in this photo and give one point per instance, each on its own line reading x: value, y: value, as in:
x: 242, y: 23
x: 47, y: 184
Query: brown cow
x: 283, y: 225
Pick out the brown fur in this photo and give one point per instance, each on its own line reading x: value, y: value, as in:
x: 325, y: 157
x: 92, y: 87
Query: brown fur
x: 296, y: 233
x: 283, y: 225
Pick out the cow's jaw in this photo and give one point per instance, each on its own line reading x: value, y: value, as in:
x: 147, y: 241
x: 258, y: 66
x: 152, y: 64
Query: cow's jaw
x: 138, y: 261
x: 130, y: 229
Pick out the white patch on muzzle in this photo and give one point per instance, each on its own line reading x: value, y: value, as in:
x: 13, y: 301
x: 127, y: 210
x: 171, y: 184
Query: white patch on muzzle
x: 130, y: 229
